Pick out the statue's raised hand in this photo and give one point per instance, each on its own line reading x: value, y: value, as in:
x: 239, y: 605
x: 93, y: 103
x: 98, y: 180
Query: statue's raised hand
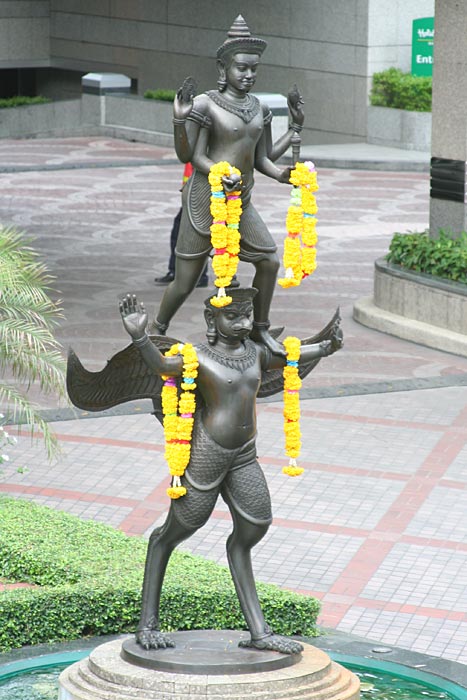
x: 134, y: 316
x: 295, y: 103
x: 183, y: 103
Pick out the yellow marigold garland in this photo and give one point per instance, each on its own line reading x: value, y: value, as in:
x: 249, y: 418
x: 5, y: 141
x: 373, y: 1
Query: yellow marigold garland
x: 300, y: 243
x: 226, y: 210
x: 292, y: 384
x: 178, y: 414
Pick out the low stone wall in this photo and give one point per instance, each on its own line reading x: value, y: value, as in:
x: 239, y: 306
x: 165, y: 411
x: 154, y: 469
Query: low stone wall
x: 123, y: 116
x: 42, y: 120
x: 425, y: 309
x: 399, y: 128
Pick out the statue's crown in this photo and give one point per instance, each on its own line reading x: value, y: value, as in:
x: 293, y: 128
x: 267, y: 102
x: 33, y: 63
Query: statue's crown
x: 239, y: 40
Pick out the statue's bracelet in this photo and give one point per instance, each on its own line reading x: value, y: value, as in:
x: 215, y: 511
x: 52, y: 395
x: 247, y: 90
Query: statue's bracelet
x: 295, y: 127
x: 139, y: 342
x: 178, y: 122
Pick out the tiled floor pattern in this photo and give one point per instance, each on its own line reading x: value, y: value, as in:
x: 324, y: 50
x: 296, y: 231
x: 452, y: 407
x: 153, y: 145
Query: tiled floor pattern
x: 381, y: 545
x: 376, y: 528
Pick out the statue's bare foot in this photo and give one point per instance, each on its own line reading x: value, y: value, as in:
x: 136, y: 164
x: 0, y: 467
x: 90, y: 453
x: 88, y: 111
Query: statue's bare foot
x: 153, y: 639
x: 274, y: 642
x: 262, y: 335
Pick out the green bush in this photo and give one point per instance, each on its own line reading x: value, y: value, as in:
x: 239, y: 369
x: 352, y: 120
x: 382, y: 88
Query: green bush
x: 88, y: 579
x: 393, y: 88
x: 442, y: 257
x: 21, y: 101
x: 166, y: 95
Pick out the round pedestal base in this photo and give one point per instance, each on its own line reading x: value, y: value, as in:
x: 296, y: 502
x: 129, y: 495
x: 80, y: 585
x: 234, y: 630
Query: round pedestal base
x: 105, y: 675
x: 208, y: 652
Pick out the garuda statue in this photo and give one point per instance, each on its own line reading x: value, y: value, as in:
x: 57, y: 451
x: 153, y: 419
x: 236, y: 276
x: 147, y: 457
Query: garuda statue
x: 232, y: 371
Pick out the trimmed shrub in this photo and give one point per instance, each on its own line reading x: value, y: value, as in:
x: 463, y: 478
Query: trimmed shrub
x: 165, y: 95
x: 20, y: 101
x: 393, y: 88
x: 88, y: 580
x: 444, y: 257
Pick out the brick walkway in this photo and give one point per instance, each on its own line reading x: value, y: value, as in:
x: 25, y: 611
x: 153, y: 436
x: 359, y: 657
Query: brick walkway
x: 377, y: 527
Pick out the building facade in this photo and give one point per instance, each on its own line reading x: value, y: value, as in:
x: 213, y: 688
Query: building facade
x: 330, y: 49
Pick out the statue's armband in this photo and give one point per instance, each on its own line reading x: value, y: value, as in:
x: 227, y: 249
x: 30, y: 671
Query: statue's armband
x: 201, y: 119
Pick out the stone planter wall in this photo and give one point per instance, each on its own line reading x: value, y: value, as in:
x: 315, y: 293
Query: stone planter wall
x: 399, y: 128
x: 123, y: 116
x: 425, y: 309
x: 42, y: 120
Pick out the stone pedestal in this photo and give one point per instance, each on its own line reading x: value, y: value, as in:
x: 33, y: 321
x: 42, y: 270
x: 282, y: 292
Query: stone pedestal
x: 105, y: 675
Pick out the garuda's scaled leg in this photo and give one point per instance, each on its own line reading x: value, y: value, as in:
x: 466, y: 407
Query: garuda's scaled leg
x: 162, y: 542
x: 247, y: 496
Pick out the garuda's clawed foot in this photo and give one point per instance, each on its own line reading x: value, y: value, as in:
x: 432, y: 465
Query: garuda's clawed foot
x: 273, y: 642
x: 153, y: 639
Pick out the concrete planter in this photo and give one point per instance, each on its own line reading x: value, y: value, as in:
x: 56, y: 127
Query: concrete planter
x: 49, y: 119
x: 123, y: 116
x: 399, y: 128
x: 428, y: 310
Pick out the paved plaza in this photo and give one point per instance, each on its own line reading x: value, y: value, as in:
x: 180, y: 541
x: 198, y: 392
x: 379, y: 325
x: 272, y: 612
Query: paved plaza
x: 377, y: 526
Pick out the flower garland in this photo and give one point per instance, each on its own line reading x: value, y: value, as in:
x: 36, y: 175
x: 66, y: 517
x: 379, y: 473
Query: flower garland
x: 226, y: 210
x: 292, y: 384
x: 299, y: 262
x: 178, y: 416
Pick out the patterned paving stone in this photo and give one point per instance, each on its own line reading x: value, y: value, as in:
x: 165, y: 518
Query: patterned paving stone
x: 362, y: 446
x: 289, y: 557
x: 443, y: 516
x: 338, y: 499
x: 426, y: 635
x: 422, y: 576
x: 380, y: 469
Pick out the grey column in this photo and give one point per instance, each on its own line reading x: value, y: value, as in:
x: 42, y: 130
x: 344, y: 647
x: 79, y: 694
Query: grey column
x: 448, y: 192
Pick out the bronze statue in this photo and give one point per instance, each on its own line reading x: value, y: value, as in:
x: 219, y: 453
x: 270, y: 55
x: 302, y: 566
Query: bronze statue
x: 228, y: 124
x: 233, y: 371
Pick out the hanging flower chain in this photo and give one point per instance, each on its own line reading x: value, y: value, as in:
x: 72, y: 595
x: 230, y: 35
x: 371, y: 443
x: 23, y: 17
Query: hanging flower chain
x: 179, y: 416
x: 292, y: 384
x: 300, y: 255
x: 226, y: 210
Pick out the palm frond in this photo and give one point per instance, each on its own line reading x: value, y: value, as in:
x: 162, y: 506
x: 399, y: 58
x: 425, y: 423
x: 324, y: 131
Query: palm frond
x: 20, y: 411
x: 28, y: 350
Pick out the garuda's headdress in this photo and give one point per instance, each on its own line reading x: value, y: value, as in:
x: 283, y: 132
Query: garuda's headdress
x: 239, y: 40
x: 240, y: 296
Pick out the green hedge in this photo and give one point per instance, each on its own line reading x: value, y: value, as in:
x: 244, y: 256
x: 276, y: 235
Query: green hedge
x: 21, y: 101
x: 89, y: 576
x: 443, y: 257
x: 393, y: 88
x: 166, y: 95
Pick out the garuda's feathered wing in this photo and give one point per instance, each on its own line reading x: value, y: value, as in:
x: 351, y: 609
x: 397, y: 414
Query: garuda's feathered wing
x: 127, y: 378
x: 272, y: 381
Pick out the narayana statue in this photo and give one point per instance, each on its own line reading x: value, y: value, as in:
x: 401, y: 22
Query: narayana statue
x: 233, y: 371
x: 228, y: 125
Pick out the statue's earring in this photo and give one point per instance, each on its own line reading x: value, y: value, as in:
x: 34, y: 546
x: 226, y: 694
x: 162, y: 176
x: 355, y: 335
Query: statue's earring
x: 211, y: 333
x: 221, y: 81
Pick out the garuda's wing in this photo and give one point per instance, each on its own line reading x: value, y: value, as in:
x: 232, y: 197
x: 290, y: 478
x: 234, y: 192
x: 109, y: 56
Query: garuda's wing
x: 272, y: 381
x: 125, y: 377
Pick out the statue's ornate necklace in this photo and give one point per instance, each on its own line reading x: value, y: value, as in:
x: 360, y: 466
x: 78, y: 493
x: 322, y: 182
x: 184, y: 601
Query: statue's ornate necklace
x: 239, y: 362
x: 247, y: 111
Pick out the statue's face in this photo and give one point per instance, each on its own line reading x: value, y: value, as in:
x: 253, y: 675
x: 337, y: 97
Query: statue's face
x: 241, y: 73
x: 234, y: 322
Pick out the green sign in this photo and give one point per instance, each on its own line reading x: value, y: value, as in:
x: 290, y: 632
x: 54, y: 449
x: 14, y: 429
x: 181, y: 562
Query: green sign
x: 423, y: 33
